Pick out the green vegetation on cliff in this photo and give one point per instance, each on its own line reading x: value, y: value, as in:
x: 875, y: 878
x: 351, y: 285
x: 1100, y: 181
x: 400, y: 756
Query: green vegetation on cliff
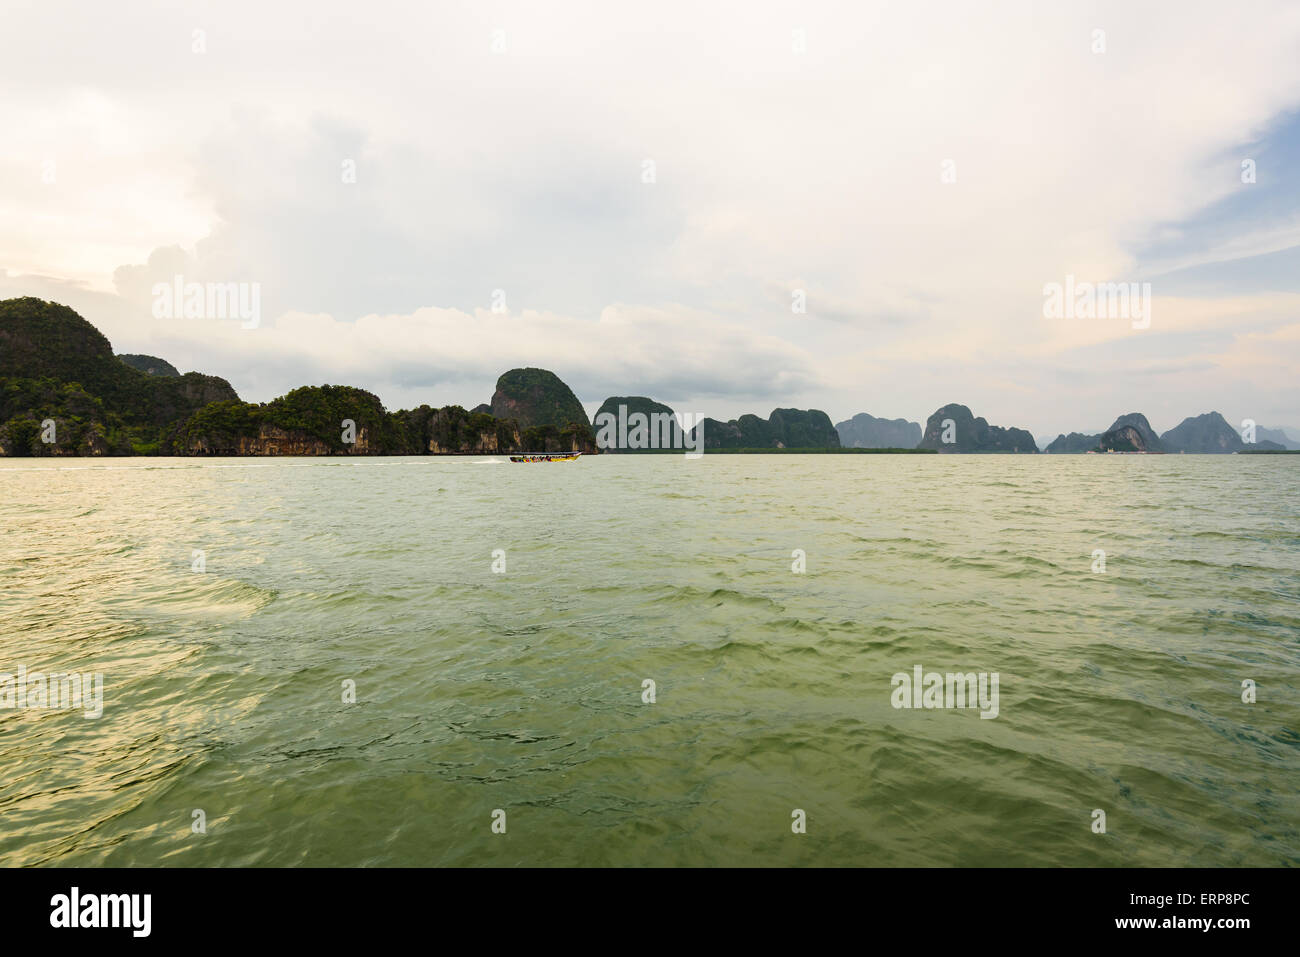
x: 646, y: 426
x: 1074, y: 443
x: 550, y: 415
x: 534, y: 397
x: 451, y: 429
x: 40, y: 339
x: 953, y: 428
x: 865, y: 431
x: 55, y: 365
x: 308, y: 420
x: 64, y: 392
x: 149, y: 365
x: 633, y: 404
x: 81, y: 423
x: 783, y: 429
x: 319, y: 411
x: 1131, y: 432
x: 1207, y: 433
x: 218, y: 426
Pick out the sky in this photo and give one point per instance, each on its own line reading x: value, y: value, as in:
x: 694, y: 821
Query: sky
x: 638, y: 198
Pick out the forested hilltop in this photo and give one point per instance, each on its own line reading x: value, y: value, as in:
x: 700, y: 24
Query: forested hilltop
x: 64, y: 392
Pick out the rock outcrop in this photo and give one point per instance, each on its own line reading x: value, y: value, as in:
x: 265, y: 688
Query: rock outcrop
x: 311, y: 420
x: 1126, y: 438
x: 783, y: 429
x: 40, y: 340
x: 453, y: 431
x: 267, y: 440
x: 149, y: 365
x: 64, y: 392
x: 548, y: 414
x: 1074, y: 443
x: 1131, y: 432
x: 536, y: 397
x: 1209, y: 433
x: 1277, y: 437
x: 954, y: 428
x: 636, y: 423
x: 55, y: 367
x: 1131, y: 429
x: 865, y: 431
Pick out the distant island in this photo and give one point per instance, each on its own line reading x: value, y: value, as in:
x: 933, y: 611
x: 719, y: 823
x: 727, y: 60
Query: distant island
x: 64, y: 392
x: 954, y: 428
x: 1204, y: 434
x: 865, y: 431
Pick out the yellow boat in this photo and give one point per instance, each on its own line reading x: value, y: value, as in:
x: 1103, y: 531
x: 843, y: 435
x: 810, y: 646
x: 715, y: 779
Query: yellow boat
x: 545, y: 457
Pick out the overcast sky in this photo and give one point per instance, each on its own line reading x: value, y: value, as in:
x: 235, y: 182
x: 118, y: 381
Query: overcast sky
x: 795, y: 146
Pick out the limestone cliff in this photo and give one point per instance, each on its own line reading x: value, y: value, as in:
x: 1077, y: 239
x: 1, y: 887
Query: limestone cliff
x: 1207, y: 433
x: 954, y: 428
x: 783, y: 429
x: 865, y: 431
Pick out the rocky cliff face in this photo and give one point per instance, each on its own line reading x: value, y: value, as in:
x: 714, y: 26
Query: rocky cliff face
x: 1276, y: 437
x: 453, y: 431
x: 547, y: 438
x: 783, y: 429
x: 747, y: 432
x: 1208, y: 433
x: 149, y: 365
x: 176, y: 397
x: 64, y: 392
x: 536, y: 397
x: 548, y: 414
x: 1073, y: 443
x: 40, y: 339
x: 273, y: 440
x: 57, y: 367
x: 312, y: 420
x: 84, y: 443
x: 484, y: 443
x: 954, y: 429
x: 1130, y: 433
x: 636, y: 424
x: 865, y: 431
x: 1126, y: 438
x: 803, y: 429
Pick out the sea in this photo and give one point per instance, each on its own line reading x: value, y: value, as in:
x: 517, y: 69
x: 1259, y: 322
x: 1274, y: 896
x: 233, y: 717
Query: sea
x: 652, y: 661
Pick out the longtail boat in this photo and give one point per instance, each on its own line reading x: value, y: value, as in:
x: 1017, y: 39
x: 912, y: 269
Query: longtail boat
x: 545, y: 457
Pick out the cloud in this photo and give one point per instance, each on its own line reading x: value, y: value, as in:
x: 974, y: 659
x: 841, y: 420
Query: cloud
x: 774, y: 170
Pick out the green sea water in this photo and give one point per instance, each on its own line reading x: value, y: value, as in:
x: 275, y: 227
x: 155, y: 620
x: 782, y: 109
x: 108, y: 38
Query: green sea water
x: 522, y: 690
